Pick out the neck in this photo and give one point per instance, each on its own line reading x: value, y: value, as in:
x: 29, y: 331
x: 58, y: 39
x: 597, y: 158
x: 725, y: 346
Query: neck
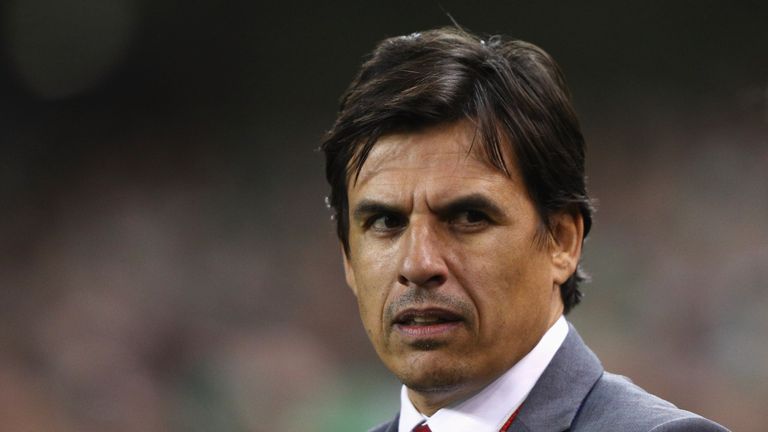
x: 430, y: 401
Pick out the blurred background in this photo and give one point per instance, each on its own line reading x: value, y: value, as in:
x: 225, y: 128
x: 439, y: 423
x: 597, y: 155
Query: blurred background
x: 167, y: 262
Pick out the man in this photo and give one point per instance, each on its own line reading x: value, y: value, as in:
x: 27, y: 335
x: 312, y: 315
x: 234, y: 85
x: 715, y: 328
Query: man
x: 456, y: 168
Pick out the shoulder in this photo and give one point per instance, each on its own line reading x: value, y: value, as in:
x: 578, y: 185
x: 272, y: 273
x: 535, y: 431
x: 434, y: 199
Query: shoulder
x: 615, y: 403
x: 390, y: 426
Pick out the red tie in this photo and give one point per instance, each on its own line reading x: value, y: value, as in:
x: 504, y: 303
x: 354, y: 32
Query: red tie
x: 422, y: 428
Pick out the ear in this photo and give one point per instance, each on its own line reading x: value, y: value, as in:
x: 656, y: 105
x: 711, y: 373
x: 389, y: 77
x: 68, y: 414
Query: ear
x: 349, y: 273
x: 567, y: 237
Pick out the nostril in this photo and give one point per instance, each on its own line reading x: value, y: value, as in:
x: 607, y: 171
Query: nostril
x: 433, y: 281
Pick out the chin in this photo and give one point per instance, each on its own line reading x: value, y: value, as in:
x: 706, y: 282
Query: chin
x: 434, y: 384
x: 435, y: 376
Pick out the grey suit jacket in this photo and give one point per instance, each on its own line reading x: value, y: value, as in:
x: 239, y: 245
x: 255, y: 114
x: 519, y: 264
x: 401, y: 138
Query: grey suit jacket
x: 575, y: 394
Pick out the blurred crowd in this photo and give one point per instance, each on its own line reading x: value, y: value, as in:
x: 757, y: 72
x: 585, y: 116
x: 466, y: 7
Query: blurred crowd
x: 167, y: 262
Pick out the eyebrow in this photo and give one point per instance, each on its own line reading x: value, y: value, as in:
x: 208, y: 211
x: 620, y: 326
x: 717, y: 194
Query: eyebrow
x: 368, y: 207
x: 474, y: 201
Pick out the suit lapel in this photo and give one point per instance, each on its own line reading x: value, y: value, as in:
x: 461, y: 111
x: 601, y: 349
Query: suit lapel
x: 390, y: 426
x: 554, y: 401
x: 393, y: 425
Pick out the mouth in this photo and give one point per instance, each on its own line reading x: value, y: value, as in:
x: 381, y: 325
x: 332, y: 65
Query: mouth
x: 421, y: 323
x: 425, y: 317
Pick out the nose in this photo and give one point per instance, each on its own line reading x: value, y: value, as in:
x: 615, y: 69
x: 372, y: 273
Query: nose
x: 422, y: 263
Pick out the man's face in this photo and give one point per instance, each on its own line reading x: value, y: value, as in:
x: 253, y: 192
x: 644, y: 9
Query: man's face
x: 452, y: 286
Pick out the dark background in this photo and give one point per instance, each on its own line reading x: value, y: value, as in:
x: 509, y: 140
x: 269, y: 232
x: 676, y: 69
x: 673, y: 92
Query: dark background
x: 167, y: 262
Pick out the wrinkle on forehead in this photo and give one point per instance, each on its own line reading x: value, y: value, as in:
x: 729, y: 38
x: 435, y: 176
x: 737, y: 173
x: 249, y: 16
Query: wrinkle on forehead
x: 452, y: 150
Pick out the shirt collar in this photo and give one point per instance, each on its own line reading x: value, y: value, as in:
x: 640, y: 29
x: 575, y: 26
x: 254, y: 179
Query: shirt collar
x: 487, y: 410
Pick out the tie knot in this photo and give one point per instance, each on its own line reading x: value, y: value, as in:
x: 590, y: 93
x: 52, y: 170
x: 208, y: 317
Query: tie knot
x: 422, y: 428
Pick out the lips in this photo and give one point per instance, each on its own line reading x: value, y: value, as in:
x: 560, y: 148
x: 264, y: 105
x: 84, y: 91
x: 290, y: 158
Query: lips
x: 426, y: 317
x: 427, y: 329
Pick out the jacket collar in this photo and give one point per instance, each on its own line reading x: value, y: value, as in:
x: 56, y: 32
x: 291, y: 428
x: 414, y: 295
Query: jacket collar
x: 556, y: 398
x: 392, y: 426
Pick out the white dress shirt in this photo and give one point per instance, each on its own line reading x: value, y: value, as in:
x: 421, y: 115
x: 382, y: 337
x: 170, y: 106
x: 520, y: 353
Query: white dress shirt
x: 488, y: 410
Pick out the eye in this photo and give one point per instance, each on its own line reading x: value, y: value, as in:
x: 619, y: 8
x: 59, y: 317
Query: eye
x: 386, y: 222
x: 474, y: 216
x: 470, y: 219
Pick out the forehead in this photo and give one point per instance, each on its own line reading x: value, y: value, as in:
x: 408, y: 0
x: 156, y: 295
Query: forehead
x: 452, y: 151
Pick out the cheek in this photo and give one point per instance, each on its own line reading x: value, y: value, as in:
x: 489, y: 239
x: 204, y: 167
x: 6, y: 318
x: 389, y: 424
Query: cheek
x: 366, y: 318
x: 373, y: 275
x: 508, y: 287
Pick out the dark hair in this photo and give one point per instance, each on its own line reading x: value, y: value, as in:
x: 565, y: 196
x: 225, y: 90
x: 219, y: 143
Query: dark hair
x: 513, y: 92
